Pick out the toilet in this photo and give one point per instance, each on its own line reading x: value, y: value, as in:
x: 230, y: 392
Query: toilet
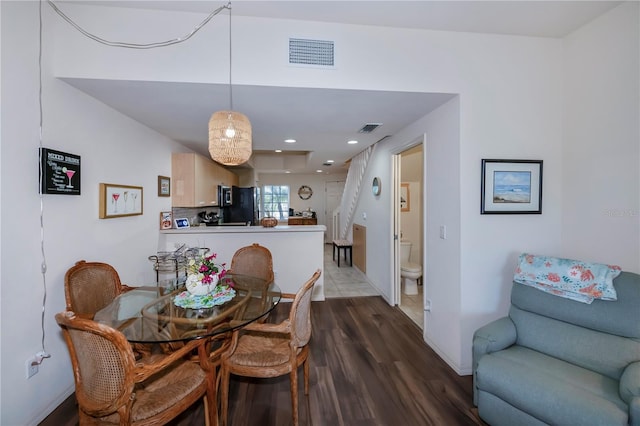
x: 410, y: 273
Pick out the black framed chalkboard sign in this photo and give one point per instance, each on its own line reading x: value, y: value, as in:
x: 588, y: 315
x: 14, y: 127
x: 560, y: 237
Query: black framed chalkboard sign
x: 60, y: 172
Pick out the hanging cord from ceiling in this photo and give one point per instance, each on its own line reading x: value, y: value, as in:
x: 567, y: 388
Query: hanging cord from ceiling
x: 136, y: 45
x: 43, y: 266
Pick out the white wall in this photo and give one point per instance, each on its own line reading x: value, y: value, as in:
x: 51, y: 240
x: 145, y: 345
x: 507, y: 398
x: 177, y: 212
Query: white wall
x: 113, y: 149
x: 601, y: 152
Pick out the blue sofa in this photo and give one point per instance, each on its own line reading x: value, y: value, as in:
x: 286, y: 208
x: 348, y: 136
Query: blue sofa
x: 559, y: 362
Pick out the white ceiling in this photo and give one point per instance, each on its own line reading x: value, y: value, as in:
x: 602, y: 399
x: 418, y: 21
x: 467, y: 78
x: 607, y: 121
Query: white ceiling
x: 323, y: 120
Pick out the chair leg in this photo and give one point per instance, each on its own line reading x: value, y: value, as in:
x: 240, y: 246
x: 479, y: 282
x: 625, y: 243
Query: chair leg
x: 224, y: 395
x: 305, y: 368
x: 294, y: 395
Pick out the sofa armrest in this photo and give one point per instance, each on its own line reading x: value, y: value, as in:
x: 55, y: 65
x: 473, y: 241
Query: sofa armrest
x: 630, y: 391
x: 495, y: 336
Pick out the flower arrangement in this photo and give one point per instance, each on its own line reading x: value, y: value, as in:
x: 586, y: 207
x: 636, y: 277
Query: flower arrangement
x: 204, y: 274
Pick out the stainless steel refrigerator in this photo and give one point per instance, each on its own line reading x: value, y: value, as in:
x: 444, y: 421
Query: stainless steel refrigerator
x: 245, y: 207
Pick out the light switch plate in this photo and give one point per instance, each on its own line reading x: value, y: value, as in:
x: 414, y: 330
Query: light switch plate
x: 443, y: 232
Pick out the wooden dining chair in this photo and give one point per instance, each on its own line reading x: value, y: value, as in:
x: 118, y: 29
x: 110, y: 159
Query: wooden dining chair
x: 90, y: 286
x: 112, y: 388
x: 272, y: 350
x: 255, y: 261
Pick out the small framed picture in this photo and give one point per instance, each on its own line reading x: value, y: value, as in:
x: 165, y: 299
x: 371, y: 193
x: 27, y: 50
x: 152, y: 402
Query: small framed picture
x: 182, y: 223
x: 511, y: 187
x: 405, y: 198
x: 119, y: 200
x: 164, y: 186
x: 166, y: 220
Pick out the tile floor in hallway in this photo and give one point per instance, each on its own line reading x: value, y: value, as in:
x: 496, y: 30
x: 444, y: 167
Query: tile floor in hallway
x: 346, y: 281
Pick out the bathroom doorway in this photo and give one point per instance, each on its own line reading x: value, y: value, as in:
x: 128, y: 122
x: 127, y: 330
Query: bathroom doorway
x: 409, y: 244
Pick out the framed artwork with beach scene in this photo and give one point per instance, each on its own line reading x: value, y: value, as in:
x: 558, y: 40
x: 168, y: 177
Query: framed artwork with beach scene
x: 511, y: 187
x: 120, y: 200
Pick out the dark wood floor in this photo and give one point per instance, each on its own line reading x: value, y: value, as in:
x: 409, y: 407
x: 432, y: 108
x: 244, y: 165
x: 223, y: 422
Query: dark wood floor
x: 369, y: 366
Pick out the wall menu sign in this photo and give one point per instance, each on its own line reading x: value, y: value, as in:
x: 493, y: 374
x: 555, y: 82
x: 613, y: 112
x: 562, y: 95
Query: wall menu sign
x: 61, y: 172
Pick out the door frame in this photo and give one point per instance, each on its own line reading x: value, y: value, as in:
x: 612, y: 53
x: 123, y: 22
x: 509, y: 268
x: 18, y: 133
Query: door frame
x: 395, y: 209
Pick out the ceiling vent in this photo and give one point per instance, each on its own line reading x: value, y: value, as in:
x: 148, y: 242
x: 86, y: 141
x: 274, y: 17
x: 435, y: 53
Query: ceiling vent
x: 326, y: 164
x: 311, y: 52
x: 369, y: 127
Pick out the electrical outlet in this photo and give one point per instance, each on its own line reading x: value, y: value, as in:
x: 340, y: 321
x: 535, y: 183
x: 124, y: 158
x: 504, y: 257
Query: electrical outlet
x: 32, y: 367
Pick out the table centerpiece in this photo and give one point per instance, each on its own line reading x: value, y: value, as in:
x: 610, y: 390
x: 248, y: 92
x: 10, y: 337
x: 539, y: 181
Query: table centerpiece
x: 203, y: 287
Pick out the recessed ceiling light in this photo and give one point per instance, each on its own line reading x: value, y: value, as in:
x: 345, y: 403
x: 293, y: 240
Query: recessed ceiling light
x: 319, y: 171
x: 278, y: 150
x: 290, y: 140
x: 329, y: 161
x: 352, y: 142
x: 287, y: 171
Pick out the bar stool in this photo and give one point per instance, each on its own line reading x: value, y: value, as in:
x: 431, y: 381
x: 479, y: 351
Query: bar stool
x: 345, y: 245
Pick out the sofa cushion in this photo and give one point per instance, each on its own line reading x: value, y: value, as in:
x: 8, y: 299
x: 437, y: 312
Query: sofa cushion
x: 621, y: 317
x: 604, y: 353
x: 549, y: 389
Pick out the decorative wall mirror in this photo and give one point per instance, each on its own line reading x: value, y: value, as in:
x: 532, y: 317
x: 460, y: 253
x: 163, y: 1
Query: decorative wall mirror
x: 376, y: 186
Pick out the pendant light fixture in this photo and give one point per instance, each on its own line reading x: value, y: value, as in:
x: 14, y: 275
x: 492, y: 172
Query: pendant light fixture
x: 229, y: 131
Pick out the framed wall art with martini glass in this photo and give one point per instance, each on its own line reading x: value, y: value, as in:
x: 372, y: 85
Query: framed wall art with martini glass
x: 511, y: 187
x: 120, y: 200
x: 59, y: 172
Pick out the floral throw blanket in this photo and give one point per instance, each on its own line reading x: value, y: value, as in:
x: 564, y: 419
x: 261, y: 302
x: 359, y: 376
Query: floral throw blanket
x: 572, y: 279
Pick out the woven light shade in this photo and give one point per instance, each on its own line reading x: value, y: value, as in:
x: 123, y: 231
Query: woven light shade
x: 229, y: 138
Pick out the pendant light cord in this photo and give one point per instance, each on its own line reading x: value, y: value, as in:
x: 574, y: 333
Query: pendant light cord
x: 230, y: 61
x: 139, y: 45
x: 43, y: 266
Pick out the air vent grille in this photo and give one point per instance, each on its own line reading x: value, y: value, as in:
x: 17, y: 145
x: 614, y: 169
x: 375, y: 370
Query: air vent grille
x: 311, y: 52
x: 369, y: 127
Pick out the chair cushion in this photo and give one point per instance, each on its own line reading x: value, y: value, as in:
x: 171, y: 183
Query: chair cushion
x: 552, y: 390
x: 164, y: 392
x: 254, y: 350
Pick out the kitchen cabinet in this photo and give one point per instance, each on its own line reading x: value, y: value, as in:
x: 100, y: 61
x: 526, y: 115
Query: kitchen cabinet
x: 195, y: 180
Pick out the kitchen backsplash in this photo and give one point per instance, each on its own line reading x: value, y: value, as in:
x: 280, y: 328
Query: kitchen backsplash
x: 191, y: 213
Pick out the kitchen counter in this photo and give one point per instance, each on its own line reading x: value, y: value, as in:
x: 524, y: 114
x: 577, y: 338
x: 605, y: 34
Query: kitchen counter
x: 297, y: 251
x: 244, y: 229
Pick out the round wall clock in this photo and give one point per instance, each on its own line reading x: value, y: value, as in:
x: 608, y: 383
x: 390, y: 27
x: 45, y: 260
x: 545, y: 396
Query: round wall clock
x: 305, y: 192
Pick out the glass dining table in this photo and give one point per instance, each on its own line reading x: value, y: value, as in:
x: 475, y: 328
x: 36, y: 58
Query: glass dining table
x: 165, y: 317
x: 166, y: 312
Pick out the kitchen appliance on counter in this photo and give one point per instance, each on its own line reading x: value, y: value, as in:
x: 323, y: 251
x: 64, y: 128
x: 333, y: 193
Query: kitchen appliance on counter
x: 225, y: 196
x: 209, y: 218
x: 245, y: 206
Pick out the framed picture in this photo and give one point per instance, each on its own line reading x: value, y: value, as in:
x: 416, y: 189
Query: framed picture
x: 60, y: 172
x: 166, y: 220
x: 405, y: 198
x: 120, y: 200
x: 164, y: 186
x: 511, y: 187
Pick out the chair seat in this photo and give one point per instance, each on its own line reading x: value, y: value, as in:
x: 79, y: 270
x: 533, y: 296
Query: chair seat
x: 257, y: 351
x: 342, y: 243
x: 164, y: 393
